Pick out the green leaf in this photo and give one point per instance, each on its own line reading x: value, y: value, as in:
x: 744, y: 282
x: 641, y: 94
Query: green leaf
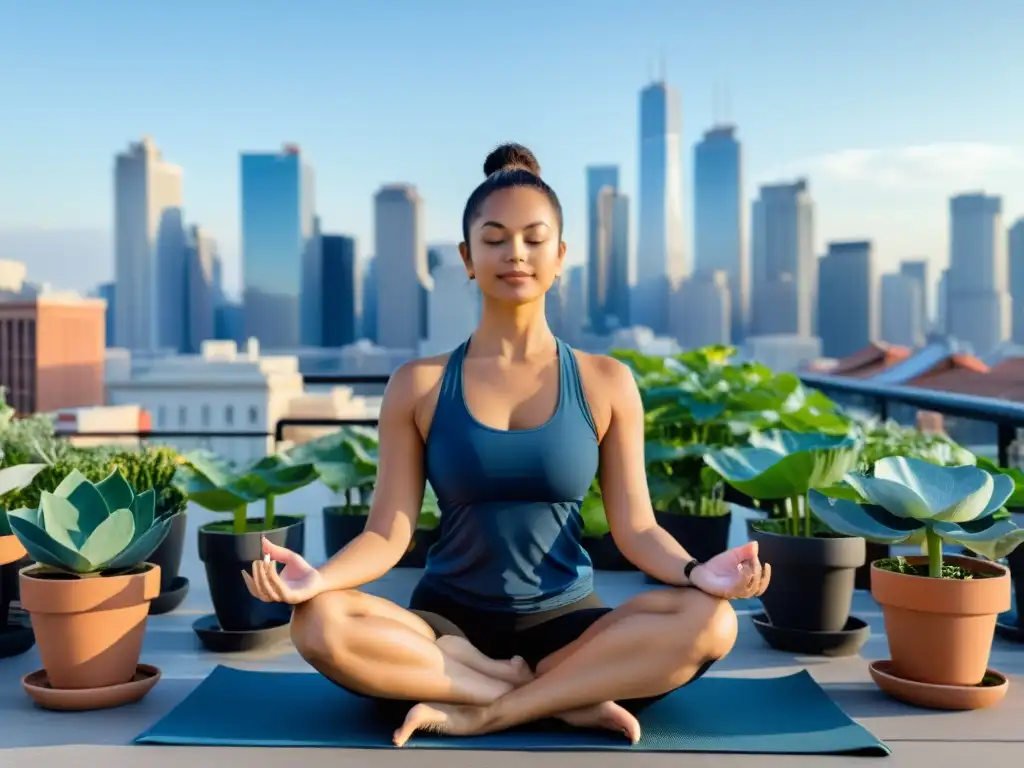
x: 86, y: 498
x: 60, y: 521
x: 952, y: 494
x: 116, y: 491
x: 144, y: 511
x: 138, y: 551
x: 870, y: 522
x: 110, y: 538
x: 40, y: 546
x: 989, y: 537
x: 18, y: 477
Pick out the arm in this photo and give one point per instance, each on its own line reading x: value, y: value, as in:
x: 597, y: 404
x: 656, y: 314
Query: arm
x: 397, y: 495
x: 627, y: 500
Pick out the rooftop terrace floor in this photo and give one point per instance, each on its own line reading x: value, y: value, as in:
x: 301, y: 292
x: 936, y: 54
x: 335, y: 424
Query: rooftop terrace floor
x: 31, y: 736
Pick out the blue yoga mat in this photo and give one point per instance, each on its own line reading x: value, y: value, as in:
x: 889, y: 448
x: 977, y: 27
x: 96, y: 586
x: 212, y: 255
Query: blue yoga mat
x: 781, y: 715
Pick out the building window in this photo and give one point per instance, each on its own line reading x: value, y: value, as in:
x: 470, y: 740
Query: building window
x: 161, y: 416
x: 229, y: 415
x: 204, y: 415
x: 254, y: 415
x: 182, y: 415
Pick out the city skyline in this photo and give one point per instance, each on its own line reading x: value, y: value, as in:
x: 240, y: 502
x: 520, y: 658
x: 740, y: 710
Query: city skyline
x: 884, y: 176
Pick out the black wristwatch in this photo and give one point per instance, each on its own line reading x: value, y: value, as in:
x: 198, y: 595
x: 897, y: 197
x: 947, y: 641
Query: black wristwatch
x: 688, y: 568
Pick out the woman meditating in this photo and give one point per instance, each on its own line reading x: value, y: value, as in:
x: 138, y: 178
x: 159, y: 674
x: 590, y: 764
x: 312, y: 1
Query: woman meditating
x: 510, y: 429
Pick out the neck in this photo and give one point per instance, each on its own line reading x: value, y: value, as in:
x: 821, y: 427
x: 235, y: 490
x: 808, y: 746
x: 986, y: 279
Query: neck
x: 512, y: 331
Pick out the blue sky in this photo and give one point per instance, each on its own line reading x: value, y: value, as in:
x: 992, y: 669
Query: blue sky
x: 889, y: 106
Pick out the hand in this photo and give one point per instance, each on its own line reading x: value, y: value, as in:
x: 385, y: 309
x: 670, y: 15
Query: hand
x: 296, y: 583
x: 734, y: 574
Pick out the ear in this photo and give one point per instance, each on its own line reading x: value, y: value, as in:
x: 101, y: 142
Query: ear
x: 466, y: 260
x: 562, y: 249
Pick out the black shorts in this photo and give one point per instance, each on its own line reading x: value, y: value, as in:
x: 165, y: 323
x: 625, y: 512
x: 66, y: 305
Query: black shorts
x: 531, y: 636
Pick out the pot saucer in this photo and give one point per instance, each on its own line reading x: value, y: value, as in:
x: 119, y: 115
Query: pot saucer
x: 219, y: 640
x: 1008, y: 627
x: 931, y: 696
x: 845, y: 642
x: 17, y: 636
x: 171, y: 599
x: 38, y: 688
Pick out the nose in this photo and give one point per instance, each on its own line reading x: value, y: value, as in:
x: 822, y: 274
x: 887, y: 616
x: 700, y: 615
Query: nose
x: 517, y: 251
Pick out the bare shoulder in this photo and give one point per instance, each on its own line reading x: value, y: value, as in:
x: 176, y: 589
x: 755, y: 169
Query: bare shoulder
x: 608, y: 384
x: 413, y: 389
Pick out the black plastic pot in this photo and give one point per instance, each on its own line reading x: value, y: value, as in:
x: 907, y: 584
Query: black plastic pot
x: 605, y: 555
x: 873, y: 551
x: 168, y: 554
x: 226, y: 554
x: 340, y: 527
x: 812, y: 579
x: 16, y: 636
x: 416, y: 555
x: 702, y: 537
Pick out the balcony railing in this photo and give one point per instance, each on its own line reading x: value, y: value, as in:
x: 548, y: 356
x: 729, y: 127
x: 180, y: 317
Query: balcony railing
x: 1006, y: 417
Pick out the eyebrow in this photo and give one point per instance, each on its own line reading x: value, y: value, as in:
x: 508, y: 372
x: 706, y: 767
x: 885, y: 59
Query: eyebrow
x: 499, y: 225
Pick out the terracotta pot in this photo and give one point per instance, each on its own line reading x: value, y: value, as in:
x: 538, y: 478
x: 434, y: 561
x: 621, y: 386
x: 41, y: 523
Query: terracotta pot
x: 940, y: 630
x: 11, y: 550
x: 89, y: 630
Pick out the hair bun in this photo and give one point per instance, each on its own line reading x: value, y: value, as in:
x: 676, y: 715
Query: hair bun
x: 509, y: 156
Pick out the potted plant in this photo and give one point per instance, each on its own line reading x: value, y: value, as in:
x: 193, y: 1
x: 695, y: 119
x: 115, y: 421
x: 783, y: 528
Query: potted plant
x: 940, y: 611
x: 807, y: 605
x: 229, y: 547
x: 89, y: 590
x: 15, y: 636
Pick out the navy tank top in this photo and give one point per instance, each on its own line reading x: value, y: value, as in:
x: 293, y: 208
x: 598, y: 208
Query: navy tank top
x: 511, y: 531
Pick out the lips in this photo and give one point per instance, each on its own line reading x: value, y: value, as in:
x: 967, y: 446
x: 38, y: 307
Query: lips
x: 516, y: 274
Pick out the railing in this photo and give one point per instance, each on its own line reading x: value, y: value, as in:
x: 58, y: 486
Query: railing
x: 1007, y: 416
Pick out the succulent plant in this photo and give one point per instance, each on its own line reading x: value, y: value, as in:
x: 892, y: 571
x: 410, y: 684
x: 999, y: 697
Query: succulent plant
x: 87, y: 528
x: 218, y: 485
x: 786, y: 465
x: 907, y: 500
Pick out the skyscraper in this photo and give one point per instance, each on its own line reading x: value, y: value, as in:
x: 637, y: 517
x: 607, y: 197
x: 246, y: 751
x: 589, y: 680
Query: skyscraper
x: 718, y: 219
x: 401, y: 270
x: 1015, y: 256
x: 661, y: 258
x: 901, y: 310
x: 200, y: 308
x: 149, y: 249
x: 607, y: 274
x: 977, y: 300
x: 847, y: 305
x: 599, y: 178
x: 783, y: 262
x: 342, y: 290
x: 453, y: 302
x: 918, y: 270
x: 280, y: 258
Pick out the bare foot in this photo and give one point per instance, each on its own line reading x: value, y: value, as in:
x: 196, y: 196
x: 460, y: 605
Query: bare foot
x: 514, y: 671
x: 520, y: 672
x: 609, y: 716
x: 467, y: 720
x: 447, y: 719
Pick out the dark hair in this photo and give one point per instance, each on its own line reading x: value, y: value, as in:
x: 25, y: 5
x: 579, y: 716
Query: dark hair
x: 508, y: 166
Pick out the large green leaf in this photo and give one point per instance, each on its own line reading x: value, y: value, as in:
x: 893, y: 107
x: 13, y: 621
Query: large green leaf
x: 60, y: 520
x: 139, y: 550
x: 110, y: 538
x: 991, y: 537
x: 41, y: 547
x: 116, y: 491
x: 952, y: 494
x: 86, y: 498
x: 870, y: 522
x: 19, y: 476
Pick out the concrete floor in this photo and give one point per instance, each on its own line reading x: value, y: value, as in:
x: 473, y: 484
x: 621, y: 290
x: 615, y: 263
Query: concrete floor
x: 43, y: 739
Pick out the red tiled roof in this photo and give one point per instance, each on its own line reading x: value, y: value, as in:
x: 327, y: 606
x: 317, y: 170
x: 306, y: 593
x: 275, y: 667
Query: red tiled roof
x: 874, y: 358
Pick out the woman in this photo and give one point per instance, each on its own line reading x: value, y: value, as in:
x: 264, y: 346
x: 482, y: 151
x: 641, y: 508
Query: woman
x: 510, y: 429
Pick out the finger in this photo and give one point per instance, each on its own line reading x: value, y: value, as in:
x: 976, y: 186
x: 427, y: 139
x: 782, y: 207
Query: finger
x: 250, y: 584
x: 766, y: 578
x: 260, y: 578
x: 281, y: 554
x: 275, y: 585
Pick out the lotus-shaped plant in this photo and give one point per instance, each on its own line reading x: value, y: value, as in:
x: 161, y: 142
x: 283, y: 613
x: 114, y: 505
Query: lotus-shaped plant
x: 86, y: 528
x: 218, y: 485
x: 912, y: 500
x: 345, y: 461
x: 786, y: 465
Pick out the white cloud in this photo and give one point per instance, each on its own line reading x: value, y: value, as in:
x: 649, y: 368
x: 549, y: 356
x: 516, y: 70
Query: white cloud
x: 957, y: 165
